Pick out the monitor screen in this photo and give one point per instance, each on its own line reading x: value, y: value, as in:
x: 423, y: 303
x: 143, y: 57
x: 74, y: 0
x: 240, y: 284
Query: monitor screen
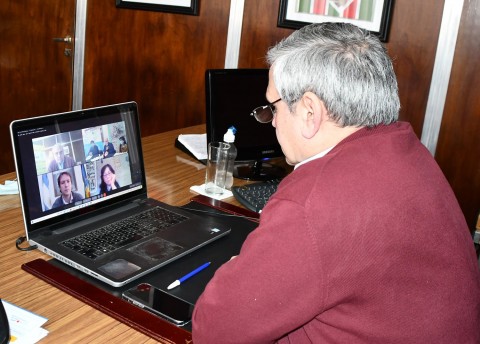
x: 74, y: 156
x: 231, y: 95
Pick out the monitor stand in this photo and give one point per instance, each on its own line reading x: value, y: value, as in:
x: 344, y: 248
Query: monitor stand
x: 258, y: 170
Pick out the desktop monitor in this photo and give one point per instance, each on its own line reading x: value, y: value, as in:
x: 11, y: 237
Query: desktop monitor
x: 231, y: 95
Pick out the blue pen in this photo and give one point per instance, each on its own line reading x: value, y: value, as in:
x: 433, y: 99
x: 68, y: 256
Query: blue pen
x: 187, y: 276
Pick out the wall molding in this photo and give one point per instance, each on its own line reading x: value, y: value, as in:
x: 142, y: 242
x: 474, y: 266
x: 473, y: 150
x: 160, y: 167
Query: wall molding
x: 79, y: 54
x: 447, y: 40
x: 234, y: 35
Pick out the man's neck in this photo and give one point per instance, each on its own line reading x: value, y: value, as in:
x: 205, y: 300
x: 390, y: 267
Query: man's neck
x: 69, y: 199
x: 328, y: 136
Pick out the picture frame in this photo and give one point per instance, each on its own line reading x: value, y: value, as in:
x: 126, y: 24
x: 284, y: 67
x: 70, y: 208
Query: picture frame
x: 190, y: 7
x: 372, y: 15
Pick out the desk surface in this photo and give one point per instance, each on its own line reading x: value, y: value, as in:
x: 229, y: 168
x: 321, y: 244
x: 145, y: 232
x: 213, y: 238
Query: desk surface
x: 170, y: 173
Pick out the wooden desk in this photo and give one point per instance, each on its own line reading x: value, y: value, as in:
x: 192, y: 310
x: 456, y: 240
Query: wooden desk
x: 170, y: 173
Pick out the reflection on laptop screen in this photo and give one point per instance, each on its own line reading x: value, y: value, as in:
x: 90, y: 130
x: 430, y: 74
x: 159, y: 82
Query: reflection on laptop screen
x: 83, y: 161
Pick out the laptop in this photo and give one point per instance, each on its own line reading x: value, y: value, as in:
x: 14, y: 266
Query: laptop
x: 84, y: 199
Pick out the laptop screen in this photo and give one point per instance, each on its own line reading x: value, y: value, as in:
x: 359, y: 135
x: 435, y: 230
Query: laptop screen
x: 74, y: 163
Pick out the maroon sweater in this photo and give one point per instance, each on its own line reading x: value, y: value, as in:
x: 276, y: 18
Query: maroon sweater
x: 365, y: 245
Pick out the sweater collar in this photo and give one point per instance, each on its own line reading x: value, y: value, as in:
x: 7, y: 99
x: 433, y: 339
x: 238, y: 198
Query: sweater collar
x: 365, y: 131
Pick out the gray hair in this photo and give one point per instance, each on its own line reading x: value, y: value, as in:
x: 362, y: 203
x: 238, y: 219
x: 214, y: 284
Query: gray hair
x: 345, y: 66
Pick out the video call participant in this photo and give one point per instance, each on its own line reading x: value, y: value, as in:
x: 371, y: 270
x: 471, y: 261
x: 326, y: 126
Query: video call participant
x: 60, y: 160
x: 93, y: 151
x: 123, y: 147
x: 108, y: 177
x: 364, y: 242
x: 108, y: 149
x: 67, y: 196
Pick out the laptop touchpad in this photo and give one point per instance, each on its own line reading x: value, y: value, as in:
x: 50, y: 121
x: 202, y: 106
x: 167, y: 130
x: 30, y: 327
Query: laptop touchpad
x: 119, y: 268
x: 155, y: 249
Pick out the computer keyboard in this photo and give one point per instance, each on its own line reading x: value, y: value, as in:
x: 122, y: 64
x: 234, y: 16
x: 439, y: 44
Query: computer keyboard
x: 111, y: 237
x: 255, y: 196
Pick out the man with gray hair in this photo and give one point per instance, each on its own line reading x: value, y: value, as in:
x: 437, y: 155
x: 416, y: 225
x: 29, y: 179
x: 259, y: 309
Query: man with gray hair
x: 60, y: 161
x: 364, y: 242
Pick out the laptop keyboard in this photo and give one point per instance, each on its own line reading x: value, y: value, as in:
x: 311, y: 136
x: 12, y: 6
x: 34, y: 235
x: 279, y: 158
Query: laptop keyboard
x: 255, y: 196
x: 121, y: 233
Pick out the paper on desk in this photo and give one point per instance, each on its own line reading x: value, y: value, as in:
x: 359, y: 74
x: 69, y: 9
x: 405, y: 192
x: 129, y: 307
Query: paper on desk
x: 10, y: 188
x: 196, y: 144
x: 25, y: 326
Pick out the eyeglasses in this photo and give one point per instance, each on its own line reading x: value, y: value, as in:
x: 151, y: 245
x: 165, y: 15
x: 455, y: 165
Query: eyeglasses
x: 264, y: 114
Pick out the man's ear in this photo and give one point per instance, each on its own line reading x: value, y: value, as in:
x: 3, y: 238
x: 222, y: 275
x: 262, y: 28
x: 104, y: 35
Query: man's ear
x: 313, y: 114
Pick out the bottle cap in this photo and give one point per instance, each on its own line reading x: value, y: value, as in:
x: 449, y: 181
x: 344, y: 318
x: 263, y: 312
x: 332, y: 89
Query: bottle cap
x: 229, y: 136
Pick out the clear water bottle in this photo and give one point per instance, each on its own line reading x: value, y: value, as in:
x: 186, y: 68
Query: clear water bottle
x: 229, y: 138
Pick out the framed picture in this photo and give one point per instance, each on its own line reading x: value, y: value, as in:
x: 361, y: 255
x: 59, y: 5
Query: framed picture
x: 172, y: 6
x: 372, y: 15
